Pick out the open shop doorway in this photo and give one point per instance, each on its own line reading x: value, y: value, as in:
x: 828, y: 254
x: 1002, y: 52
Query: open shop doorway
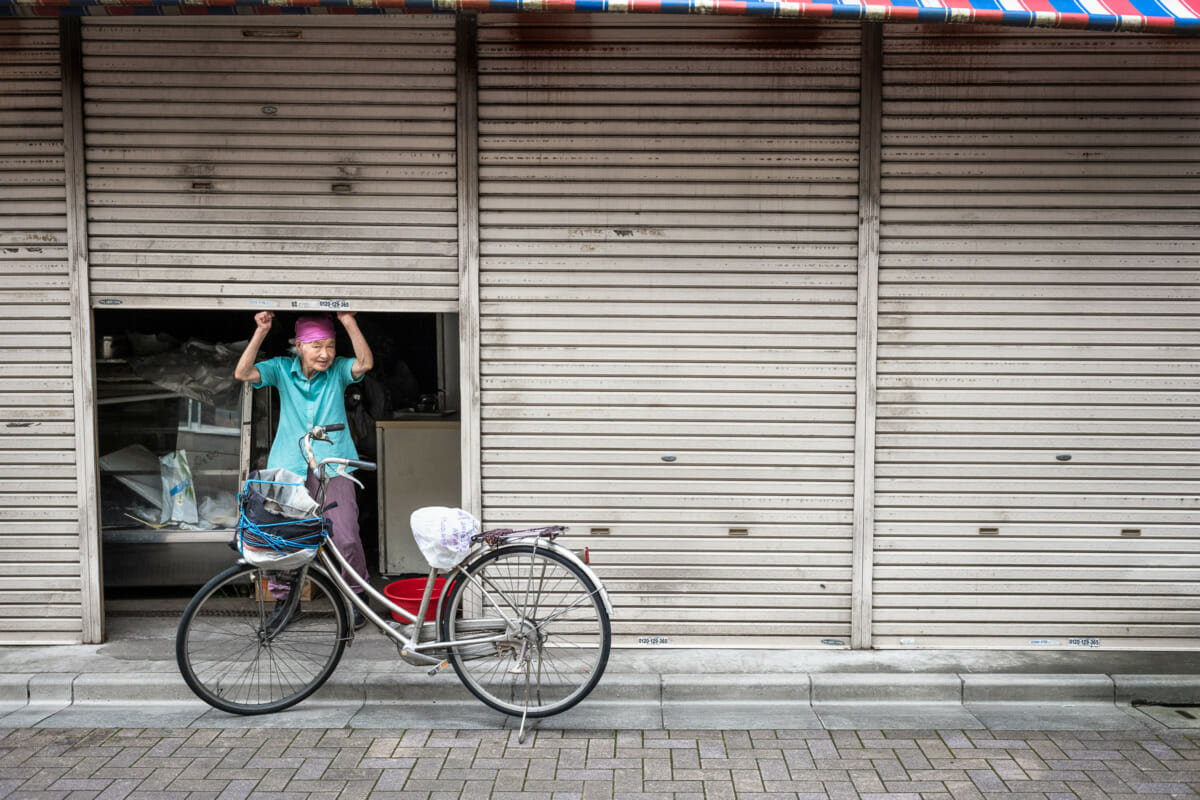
x: 169, y: 413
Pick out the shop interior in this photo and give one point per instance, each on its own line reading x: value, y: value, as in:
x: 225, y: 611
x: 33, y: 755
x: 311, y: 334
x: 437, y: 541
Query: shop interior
x: 177, y: 435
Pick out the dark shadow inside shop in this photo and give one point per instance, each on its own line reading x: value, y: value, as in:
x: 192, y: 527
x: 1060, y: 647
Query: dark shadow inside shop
x: 177, y: 434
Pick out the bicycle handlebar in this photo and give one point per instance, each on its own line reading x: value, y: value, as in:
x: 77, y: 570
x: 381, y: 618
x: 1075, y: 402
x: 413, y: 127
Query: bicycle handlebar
x: 348, y: 462
x: 318, y: 433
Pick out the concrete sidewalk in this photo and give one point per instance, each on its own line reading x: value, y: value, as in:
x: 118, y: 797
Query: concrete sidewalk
x: 133, y: 681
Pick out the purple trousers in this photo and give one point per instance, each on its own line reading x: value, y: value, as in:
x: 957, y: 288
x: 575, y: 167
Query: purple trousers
x: 343, y: 526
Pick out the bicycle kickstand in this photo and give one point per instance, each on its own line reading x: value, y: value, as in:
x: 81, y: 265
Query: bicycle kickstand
x: 522, y: 732
x: 523, y: 667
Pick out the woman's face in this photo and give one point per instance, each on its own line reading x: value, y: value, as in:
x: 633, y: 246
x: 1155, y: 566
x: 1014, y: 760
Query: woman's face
x: 316, y: 356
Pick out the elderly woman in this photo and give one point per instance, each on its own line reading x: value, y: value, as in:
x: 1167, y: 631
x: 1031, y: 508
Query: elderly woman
x: 312, y: 386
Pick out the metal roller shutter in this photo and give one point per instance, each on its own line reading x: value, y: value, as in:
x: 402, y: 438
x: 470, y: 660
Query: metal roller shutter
x: 668, y: 251
x: 1039, y: 287
x: 241, y: 162
x: 40, y: 596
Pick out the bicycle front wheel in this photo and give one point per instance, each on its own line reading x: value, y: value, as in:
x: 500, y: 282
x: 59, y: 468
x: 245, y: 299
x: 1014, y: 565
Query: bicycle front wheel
x: 540, y: 630
x: 238, y: 657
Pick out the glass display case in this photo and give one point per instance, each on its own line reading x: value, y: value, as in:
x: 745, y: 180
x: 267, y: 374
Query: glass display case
x: 170, y: 468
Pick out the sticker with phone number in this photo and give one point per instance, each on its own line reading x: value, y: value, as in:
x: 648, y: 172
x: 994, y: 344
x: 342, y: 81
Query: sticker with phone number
x: 329, y: 305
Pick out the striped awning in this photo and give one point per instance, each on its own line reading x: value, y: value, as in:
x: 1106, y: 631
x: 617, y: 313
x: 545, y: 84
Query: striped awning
x: 1151, y: 16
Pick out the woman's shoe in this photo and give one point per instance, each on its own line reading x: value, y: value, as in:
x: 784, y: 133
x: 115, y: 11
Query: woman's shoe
x: 356, y: 617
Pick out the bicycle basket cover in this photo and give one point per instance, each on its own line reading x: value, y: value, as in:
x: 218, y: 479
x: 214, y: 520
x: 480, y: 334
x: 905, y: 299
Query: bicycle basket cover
x: 249, y: 545
x: 443, y: 534
x: 268, y: 538
x: 282, y: 492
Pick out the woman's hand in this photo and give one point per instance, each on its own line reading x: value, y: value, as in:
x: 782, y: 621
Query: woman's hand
x: 245, y: 369
x: 345, y: 317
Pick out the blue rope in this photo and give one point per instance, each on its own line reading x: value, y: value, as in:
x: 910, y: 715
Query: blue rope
x: 255, y: 534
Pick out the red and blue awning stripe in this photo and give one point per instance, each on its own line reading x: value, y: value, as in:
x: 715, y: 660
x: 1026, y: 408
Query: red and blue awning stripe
x: 1151, y: 16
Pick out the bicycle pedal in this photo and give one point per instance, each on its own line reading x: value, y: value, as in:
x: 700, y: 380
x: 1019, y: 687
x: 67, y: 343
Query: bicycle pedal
x: 438, y: 668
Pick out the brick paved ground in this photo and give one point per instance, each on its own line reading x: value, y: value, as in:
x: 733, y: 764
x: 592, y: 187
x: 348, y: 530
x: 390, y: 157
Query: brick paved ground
x: 631, y: 765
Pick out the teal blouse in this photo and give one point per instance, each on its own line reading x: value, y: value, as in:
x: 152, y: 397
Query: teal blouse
x: 305, y: 402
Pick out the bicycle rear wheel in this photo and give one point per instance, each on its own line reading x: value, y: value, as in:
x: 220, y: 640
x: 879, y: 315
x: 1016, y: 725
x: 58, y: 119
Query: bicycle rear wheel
x: 235, y: 661
x: 550, y: 633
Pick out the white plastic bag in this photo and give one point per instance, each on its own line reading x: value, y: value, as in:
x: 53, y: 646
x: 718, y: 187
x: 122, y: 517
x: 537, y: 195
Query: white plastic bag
x: 443, y: 534
x: 283, y: 493
x: 220, y: 511
x: 178, y: 493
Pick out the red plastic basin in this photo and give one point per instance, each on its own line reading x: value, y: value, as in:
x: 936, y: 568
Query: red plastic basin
x: 407, y: 594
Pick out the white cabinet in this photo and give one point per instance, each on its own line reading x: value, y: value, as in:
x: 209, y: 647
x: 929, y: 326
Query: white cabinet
x: 419, y: 465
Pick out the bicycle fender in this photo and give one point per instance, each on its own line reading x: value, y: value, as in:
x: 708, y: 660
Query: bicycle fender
x: 577, y: 561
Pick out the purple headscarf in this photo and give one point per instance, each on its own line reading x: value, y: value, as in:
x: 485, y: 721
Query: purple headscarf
x: 311, y: 329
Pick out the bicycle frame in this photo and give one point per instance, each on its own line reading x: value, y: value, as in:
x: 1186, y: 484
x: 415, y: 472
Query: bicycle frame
x: 334, y: 562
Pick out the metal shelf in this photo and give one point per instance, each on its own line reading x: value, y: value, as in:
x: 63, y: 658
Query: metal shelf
x: 165, y: 536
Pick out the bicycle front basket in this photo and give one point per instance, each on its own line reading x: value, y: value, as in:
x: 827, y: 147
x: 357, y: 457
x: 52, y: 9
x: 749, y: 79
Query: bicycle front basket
x: 267, y: 539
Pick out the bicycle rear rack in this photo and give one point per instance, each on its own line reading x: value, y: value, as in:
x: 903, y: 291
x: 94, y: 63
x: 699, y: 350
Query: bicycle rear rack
x: 501, y: 536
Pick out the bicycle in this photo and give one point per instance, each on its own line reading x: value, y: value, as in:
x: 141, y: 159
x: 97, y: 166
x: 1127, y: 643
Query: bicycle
x: 523, y: 621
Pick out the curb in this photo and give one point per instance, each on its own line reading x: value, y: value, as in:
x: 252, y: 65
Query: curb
x: 816, y: 689
x: 875, y: 687
x: 735, y: 688
x: 1021, y: 688
x: 1157, y: 689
